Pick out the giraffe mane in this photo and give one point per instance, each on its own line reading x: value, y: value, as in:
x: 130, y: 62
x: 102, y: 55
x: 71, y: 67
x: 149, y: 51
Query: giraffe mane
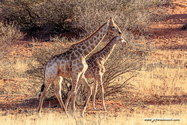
x: 88, y: 36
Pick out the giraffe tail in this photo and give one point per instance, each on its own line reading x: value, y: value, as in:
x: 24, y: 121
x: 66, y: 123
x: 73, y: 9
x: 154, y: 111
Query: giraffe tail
x: 43, y: 86
x: 42, y: 89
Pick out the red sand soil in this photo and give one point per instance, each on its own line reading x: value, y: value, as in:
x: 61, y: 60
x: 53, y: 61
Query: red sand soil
x: 167, y: 35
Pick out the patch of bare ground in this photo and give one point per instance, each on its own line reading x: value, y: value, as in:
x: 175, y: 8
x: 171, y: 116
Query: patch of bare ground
x: 168, y: 36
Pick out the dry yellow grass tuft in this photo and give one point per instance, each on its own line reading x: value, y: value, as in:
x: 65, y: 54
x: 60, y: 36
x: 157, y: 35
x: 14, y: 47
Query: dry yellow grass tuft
x: 56, y: 118
x: 162, y: 81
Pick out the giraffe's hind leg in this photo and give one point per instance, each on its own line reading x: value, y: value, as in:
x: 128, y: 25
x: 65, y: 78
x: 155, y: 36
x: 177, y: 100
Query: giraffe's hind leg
x: 67, y: 100
x: 57, y: 83
x: 69, y: 95
x: 42, y: 95
x: 84, y: 81
x: 50, y: 75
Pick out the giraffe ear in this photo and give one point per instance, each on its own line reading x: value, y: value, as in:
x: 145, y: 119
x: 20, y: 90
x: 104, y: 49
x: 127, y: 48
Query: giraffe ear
x: 108, y: 22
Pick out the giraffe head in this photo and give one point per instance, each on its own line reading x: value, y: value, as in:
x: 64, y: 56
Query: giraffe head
x: 113, y: 29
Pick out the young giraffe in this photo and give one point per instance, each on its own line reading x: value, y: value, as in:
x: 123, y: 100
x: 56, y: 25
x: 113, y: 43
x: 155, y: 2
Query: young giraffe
x: 96, y: 68
x: 72, y: 63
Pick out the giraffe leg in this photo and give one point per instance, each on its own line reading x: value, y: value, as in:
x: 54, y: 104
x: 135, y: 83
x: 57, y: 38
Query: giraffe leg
x: 75, y: 79
x: 57, y: 84
x: 94, y: 93
x: 67, y: 100
x: 102, y: 92
x: 46, y: 86
x: 83, y: 80
x: 49, y: 78
x: 69, y: 94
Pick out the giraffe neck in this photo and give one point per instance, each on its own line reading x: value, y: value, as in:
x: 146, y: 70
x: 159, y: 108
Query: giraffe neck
x: 86, y: 46
x: 106, y: 51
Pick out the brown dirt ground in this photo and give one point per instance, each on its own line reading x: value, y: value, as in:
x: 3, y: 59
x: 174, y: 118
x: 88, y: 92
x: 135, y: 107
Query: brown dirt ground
x: 166, y: 35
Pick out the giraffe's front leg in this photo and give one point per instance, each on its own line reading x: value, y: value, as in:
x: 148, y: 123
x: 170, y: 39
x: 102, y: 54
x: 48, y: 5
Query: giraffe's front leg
x: 75, y: 79
x: 102, y: 92
x: 94, y: 94
x: 83, y: 80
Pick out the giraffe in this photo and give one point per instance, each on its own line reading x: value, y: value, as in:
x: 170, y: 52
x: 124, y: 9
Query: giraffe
x: 96, y: 68
x: 72, y: 63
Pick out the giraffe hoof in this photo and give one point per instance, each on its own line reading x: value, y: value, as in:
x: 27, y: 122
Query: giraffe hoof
x: 67, y: 115
x: 72, y: 113
x: 39, y: 115
x: 104, y: 109
x: 65, y: 112
x: 82, y: 114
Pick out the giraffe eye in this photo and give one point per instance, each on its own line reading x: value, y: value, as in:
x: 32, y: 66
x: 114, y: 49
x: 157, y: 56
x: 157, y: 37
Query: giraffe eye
x: 113, y: 27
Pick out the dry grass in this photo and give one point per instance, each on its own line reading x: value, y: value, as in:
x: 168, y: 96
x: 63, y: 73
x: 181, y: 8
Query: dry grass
x: 146, y: 101
x: 163, y: 81
x: 9, y: 34
x: 14, y: 68
x: 56, y: 118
